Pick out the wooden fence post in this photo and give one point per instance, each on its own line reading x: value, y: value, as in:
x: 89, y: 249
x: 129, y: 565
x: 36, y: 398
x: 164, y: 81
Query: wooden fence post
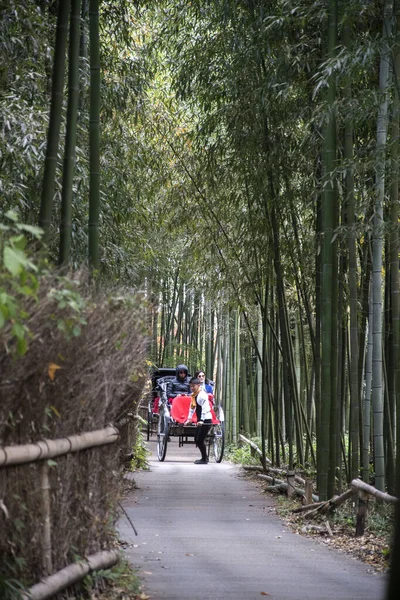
x: 361, y: 512
x: 291, y: 483
x: 46, y: 515
x: 308, y: 491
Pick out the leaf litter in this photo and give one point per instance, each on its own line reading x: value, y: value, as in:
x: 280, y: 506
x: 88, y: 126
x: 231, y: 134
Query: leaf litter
x: 373, y: 548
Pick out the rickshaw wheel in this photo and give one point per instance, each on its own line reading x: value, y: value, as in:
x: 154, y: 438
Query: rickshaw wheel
x: 162, y: 438
x: 219, y: 442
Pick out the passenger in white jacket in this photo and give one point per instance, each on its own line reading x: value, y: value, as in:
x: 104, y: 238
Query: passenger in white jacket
x: 201, y: 406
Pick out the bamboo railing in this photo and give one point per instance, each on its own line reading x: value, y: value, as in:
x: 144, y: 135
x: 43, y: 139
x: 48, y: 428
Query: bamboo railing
x: 41, y: 451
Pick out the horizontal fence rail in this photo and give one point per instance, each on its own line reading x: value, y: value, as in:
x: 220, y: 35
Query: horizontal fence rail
x: 44, y: 449
x: 38, y: 452
x: 70, y: 575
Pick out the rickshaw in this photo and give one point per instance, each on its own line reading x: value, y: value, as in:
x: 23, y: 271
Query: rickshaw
x: 161, y: 374
x: 172, y: 414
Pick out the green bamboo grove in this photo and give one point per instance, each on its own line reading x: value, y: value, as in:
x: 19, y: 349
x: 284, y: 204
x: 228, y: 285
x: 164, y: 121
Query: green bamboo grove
x: 239, y: 162
x: 303, y: 334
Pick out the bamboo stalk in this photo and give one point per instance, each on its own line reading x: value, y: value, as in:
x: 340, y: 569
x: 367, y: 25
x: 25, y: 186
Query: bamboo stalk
x: 70, y: 136
x: 281, y: 472
x: 69, y: 575
x: 385, y: 76
x: 252, y: 467
x: 46, y: 539
x: 53, y: 134
x: 271, y: 479
x: 18, y: 455
x: 330, y: 505
x: 94, y: 136
x: 282, y: 486
x: 253, y: 445
x: 359, y: 485
x: 317, y: 529
x: 307, y: 507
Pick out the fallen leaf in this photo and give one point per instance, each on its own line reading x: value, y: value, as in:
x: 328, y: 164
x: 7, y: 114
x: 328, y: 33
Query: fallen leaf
x: 52, y: 370
x: 264, y: 594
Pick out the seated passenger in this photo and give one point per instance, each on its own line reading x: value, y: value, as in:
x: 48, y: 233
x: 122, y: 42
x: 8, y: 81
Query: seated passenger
x: 179, y: 385
x: 204, y: 382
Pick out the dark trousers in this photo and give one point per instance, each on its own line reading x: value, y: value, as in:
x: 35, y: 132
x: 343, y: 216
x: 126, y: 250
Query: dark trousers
x: 201, y: 434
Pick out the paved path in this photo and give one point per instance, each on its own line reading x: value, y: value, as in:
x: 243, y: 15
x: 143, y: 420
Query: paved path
x: 206, y: 533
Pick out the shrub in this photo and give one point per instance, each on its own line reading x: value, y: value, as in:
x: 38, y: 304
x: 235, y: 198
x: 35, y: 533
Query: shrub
x: 71, y: 360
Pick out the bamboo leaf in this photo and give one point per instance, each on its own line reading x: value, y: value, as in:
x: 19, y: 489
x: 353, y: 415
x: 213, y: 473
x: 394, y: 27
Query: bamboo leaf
x: 37, y: 232
x: 14, y: 260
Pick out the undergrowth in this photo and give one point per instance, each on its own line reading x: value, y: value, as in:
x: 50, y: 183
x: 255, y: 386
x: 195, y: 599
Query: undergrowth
x: 118, y: 583
x: 244, y: 455
x: 140, y: 453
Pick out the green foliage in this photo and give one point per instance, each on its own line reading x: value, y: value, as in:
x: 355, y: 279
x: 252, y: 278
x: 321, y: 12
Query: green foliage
x: 285, y: 506
x: 140, y: 452
x: 115, y: 582
x: 19, y: 279
x: 242, y: 454
x: 381, y: 519
x: 72, y: 306
x: 11, y: 587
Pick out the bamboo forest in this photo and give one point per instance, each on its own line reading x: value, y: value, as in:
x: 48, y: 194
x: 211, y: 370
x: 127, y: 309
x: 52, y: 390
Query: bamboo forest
x: 212, y: 183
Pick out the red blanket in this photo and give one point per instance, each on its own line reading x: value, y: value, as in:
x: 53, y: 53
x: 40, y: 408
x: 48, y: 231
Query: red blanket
x: 180, y: 409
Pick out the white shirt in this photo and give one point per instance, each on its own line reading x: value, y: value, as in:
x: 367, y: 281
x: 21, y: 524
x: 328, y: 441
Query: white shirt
x: 202, y: 400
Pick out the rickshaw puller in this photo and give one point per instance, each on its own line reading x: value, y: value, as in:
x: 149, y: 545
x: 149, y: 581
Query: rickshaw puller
x: 201, y: 406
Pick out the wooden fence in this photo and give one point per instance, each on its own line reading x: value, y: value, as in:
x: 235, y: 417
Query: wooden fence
x: 312, y: 506
x: 42, y: 451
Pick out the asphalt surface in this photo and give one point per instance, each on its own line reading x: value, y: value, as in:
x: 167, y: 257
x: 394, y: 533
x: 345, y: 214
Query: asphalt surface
x: 205, y: 532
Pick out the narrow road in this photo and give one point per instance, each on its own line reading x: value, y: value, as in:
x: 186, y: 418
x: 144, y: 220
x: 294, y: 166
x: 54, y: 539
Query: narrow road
x: 205, y: 533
